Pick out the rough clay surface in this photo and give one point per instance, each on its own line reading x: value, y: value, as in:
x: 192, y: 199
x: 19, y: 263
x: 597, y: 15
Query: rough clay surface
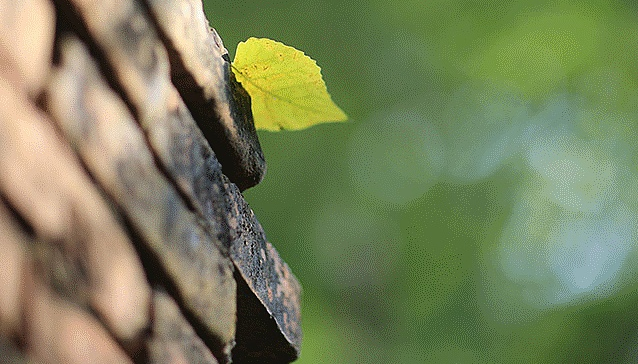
x: 125, y: 236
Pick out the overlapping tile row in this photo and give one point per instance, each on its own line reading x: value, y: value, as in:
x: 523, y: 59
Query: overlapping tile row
x: 119, y: 223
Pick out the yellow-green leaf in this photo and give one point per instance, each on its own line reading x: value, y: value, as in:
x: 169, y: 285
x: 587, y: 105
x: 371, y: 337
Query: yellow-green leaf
x: 285, y: 86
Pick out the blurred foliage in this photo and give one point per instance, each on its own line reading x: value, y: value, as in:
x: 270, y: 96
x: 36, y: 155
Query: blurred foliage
x: 480, y: 206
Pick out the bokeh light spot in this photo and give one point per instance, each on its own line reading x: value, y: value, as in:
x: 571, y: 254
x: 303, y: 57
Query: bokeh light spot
x: 396, y: 157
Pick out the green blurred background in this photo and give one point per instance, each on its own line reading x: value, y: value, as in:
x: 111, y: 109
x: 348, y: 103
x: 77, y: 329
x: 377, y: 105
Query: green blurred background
x: 480, y: 206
